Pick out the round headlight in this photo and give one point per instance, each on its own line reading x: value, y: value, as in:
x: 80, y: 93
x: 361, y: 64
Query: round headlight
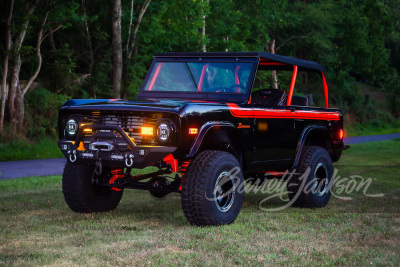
x: 164, y: 132
x: 71, y: 127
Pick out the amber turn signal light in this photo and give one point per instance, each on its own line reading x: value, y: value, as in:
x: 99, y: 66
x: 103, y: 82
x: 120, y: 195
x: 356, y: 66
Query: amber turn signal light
x: 147, y: 130
x: 192, y: 130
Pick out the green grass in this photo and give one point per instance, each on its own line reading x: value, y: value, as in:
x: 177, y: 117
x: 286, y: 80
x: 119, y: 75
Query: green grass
x: 37, y: 228
x: 371, y: 128
x: 18, y: 149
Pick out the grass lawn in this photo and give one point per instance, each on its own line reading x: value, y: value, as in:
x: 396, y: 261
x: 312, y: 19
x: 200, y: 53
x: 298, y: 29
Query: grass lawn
x: 369, y: 128
x: 37, y: 228
x: 19, y: 149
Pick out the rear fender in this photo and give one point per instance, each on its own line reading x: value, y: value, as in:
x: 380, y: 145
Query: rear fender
x: 314, y: 135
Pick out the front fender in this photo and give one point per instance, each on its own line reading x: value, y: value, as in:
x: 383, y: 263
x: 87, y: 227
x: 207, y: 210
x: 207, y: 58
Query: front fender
x: 202, y: 133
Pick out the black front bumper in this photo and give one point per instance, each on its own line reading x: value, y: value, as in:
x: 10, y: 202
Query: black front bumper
x: 137, y: 157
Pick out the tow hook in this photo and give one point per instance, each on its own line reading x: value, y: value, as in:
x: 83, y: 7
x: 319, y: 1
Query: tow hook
x: 72, y: 156
x: 129, y: 160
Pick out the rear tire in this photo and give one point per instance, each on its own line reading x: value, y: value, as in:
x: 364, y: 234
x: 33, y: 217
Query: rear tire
x: 210, y: 194
x: 81, y: 192
x: 312, y: 189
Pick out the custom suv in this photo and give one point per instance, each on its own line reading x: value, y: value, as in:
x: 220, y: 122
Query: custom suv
x: 203, y: 131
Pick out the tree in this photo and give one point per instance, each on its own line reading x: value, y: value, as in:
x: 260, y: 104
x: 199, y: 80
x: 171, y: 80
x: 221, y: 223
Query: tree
x: 16, y: 95
x: 4, y: 87
x: 203, y: 30
x: 231, y: 32
x: 356, y: 40
x: 165, y: 26
x: 131, y: 44
x: 116, y: 14
x: 273, y: 24
x: 362, y: 28
x: 20, y: 25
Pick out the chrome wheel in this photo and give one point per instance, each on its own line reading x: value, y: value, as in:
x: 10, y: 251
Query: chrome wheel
x: 224, y: 192
x: 321, y: 180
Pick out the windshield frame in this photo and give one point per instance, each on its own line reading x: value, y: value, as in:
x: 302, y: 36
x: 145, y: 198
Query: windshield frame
x: 214, y: 96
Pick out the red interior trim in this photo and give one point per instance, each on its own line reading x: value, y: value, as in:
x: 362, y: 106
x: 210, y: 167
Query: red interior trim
x: 237, y: 81
x: 325, y: 90
x: 203, y: 73
x: 292, y: 83
x: 153, y: 80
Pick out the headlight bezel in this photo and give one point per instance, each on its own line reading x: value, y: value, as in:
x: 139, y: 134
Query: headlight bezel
x: 70, y: 124
x: 164, y: 131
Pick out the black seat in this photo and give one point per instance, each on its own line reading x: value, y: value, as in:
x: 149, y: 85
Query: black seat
x: 268, y: 97
x: 299, y: 101
x: 296, y: 101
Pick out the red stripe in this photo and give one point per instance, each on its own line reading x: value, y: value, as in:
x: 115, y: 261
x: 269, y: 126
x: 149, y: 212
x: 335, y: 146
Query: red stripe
x: 317, y: 115
x: 236, y: 111
x: 239, y: 112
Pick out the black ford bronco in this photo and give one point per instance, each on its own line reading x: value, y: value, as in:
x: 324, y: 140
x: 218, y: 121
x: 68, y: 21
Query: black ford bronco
x: 204, y: 130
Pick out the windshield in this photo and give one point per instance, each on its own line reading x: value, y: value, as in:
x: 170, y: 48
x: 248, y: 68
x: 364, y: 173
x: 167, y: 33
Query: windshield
x: 208, y: 77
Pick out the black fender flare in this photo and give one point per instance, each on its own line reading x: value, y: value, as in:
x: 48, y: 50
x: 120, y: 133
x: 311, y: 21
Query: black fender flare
x: 303, y: 137
x: 202, y: 133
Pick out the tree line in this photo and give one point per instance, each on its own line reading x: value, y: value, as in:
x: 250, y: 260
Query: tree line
x: 60, y: 49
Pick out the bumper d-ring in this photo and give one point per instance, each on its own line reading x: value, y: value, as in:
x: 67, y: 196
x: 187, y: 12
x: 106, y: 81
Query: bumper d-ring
x: 129, y: 160
x: 72, y: 156
x: 99, y: 168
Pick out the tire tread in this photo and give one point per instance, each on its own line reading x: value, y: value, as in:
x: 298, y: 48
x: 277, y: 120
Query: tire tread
x: 194, y: 186
x: 306, y: 158
x: 75, y: 189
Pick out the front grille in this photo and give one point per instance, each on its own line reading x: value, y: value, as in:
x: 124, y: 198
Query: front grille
x: 131, y: 124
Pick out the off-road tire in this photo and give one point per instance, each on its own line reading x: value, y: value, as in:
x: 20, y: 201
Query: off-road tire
x: 82, y: 195
x: 299, y: 190
x: 199, y: 184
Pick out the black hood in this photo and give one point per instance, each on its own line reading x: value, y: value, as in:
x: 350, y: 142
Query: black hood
x: 118, y: 104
